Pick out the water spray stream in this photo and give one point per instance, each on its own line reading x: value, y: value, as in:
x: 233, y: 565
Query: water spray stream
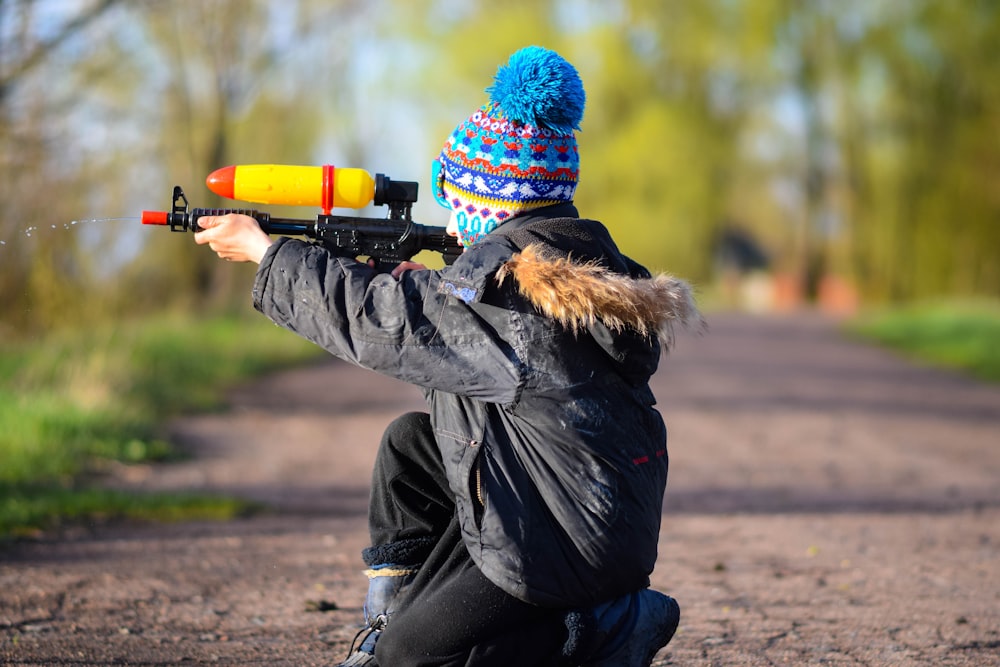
x: 34, y: 228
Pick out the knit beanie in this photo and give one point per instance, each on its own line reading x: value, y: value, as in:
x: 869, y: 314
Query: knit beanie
x: 518, y: 152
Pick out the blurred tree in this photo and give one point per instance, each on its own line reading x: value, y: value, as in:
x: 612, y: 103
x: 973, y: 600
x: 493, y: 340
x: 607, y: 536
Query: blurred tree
x: 224, y: 102
x: 25, y: 48
x: 846, y: 136
x: 108, y: 104
x: 444, y: 54
x: 657, y: 144
x: 662, y: 140
x: 928, y: 217
x: 39, y: 269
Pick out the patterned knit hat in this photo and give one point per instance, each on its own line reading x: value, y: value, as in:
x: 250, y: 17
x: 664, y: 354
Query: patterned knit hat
x: 518, y: 152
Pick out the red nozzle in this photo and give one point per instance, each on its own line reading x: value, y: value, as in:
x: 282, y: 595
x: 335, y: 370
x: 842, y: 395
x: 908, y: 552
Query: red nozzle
x: 221, y: 181
x: 154, y: 217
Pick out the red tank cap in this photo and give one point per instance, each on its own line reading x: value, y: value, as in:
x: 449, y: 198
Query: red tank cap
x: 222, y: 181
x: 154, y: 217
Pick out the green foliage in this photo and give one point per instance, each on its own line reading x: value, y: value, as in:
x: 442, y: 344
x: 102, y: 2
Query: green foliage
x: 102, y: 393
x: 68, y: 402
x: 50, y: 436
x: 920, y: 138
x: 961, y: 336
x: 854, y: 138
x: 25, y: 510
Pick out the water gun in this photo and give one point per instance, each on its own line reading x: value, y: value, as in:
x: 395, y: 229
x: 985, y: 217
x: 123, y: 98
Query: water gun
x: 384, y: 241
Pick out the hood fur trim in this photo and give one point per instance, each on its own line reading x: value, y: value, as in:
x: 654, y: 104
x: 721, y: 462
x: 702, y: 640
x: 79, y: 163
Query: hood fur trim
x: 579, y: 294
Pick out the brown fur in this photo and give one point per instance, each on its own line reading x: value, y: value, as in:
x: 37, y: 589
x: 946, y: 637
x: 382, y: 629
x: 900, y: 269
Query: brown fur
x: 579, y: 294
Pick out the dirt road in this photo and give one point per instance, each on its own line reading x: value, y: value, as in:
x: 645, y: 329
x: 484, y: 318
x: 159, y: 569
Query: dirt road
x: 828, y: 504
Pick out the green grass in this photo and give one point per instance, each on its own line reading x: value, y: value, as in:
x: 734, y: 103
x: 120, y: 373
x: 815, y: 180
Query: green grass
x: 29, y: 509
x: 964, y: 337
x: 71, y: 402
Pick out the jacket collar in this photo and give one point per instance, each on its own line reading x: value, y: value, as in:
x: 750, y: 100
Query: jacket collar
x: 467, y: 278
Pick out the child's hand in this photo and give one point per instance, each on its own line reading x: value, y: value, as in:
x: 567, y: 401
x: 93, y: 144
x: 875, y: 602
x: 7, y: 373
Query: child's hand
x: 234, y: 237
x: 406, y: 266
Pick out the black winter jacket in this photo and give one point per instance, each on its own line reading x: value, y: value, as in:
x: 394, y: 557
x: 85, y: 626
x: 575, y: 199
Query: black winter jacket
x: 534, y: 350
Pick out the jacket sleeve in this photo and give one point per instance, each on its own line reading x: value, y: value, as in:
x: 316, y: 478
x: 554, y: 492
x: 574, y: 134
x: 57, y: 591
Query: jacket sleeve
x: 403, y: 328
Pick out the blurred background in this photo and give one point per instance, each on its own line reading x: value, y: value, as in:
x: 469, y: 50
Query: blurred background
x: 831, y: 156
x: 834, y: 152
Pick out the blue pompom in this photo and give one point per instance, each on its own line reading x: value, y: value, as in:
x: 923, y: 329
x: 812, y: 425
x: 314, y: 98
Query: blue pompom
x: 539, y: 87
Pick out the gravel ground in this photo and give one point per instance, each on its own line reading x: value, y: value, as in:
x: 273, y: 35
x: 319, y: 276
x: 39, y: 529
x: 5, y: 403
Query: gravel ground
x: 828, y: 504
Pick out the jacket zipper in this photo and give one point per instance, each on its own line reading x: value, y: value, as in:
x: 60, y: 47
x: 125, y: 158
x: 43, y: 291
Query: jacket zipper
x: 479, y: 475
x: 479, y: 481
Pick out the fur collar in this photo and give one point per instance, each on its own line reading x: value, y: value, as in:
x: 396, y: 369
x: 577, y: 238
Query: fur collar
x: 577, y: 295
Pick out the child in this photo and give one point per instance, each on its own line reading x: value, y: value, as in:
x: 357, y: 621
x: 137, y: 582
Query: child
x: 517, y: 522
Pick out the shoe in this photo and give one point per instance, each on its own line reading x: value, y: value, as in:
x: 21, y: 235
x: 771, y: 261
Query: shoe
x: 635, y: 627
x: 364, y: 654
x: 360, y: 659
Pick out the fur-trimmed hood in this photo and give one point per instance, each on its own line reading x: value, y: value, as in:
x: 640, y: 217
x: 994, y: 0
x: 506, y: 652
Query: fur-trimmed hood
x: 579, y: 294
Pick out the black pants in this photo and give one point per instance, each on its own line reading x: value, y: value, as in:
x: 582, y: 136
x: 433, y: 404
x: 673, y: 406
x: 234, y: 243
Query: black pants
x: 450, y: 615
